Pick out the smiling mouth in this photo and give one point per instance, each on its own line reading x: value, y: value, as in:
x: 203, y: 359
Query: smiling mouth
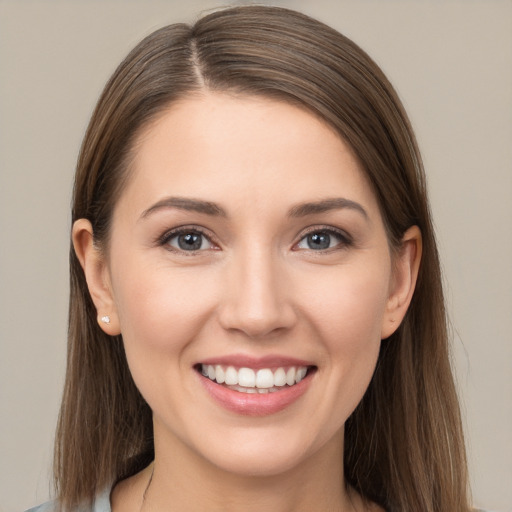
x: 261, y: 381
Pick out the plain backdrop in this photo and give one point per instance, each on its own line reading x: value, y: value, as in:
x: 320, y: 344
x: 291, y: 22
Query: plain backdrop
x: 451, y: 62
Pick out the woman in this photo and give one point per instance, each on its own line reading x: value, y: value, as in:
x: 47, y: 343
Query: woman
x: 256, y: 314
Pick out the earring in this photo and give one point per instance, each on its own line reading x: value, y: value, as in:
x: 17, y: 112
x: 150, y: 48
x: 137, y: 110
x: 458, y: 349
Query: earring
x: 105, y: 319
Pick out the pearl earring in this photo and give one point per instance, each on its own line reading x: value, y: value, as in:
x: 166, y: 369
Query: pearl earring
x: 105, y: 319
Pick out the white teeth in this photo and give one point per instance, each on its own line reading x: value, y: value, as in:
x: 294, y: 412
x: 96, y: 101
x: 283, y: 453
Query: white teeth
x: 231, y: 376
x: 301, y: 373
x: 219, y: 374
x: 261, y: 391
x: 264, y: 379
x: 279, y: 377
x: 290, y: 376
x: 248, y: 380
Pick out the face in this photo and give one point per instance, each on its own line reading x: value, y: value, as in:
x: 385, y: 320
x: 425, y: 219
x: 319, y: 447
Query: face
x: 248, y: 246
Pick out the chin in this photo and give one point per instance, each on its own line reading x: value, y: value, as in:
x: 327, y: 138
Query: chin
x: 258, y: 465
x: 264, y: 452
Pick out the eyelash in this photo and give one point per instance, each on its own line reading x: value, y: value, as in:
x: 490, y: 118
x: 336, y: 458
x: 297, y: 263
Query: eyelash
x: 185, y: 230
x: 344, y: 239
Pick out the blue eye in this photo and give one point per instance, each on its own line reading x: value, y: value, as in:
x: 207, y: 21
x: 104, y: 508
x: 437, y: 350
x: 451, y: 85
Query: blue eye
x: 322, y: 240
x: 189, y: 241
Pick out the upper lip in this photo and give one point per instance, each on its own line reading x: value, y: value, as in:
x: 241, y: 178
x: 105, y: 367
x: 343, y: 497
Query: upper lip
x: 256, y: 363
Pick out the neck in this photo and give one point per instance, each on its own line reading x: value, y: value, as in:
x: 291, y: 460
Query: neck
x: 185, y: 481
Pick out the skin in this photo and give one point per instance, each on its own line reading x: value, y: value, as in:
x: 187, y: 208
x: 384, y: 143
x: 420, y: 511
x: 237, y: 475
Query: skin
x: 254, y: 288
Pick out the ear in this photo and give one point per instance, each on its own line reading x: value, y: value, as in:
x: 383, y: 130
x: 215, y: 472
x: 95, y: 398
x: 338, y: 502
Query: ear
x: 97, y: 276
x: 403, y: 282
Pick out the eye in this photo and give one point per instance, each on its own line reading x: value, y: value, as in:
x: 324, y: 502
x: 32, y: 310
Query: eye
x: 189, y: 240
x: 321, y: 240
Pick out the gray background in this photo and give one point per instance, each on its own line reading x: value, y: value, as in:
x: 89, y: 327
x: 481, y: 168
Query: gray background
x: 451, y: 62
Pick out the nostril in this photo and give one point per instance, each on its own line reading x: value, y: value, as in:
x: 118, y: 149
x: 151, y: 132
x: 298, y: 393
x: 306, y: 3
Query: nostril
x: 260, y: 324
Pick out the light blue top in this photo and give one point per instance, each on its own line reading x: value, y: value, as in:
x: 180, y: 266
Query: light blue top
x: 101, y: 504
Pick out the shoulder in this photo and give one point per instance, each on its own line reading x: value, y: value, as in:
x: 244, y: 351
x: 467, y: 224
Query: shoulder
x: 101, y: 504
x: 45, y: 507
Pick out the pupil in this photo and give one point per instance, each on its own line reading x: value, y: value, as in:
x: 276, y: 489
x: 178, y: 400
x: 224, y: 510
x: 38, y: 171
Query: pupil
x: 319, y: 241
x: 189, y: 242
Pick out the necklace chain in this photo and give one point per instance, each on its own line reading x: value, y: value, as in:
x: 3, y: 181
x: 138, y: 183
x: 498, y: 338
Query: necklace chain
x: 147, y: 488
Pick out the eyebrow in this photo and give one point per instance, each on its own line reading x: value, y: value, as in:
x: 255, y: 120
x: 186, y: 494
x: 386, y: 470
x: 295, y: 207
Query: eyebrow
x: 209, y: 208
x: 188, y: 204
x: 325, y: 205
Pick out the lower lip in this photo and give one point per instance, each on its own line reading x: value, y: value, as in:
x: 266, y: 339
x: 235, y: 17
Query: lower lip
x: 255, y: 404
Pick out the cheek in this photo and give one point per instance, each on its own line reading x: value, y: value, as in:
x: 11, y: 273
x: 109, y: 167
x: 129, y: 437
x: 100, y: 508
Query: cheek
x: 349, y: 311
x: 347, y: 319
x: 160, y: 313
x: 161, y: 309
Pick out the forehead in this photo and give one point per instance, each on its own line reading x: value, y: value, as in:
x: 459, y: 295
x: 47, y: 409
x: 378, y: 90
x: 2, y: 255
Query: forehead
x: 221, y: 147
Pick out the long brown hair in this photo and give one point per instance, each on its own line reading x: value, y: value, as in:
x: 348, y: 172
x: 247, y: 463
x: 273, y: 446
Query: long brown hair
x: 403, y: 444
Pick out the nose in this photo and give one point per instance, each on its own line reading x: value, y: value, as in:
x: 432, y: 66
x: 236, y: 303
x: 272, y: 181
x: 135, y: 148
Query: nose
x: 256, y: 298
